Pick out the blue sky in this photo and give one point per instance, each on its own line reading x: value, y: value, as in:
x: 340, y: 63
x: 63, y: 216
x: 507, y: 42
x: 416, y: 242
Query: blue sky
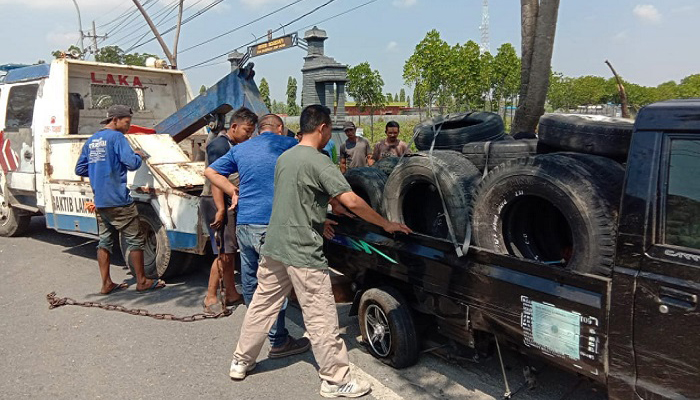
x: 648, y: 42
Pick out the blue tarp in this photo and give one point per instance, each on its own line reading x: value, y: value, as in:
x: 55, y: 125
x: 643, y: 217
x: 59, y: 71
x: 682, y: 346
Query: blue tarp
x: 28, y: 73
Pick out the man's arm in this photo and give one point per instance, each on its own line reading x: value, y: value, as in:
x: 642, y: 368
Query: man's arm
x: 376, y: 153
x: 368, y: 155
x: 222, y: 183
x: 343, y: 164
x: 126, y: 155
x: 358, y: 206
x: 81, y: 167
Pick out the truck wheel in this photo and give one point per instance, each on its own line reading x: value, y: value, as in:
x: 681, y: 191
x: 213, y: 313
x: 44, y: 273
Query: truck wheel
x: 12, y: 222
x: 411, y: 195
x: 497, y: 153
x: 158, y: 260
x: 387, y: 164
x: 387, y: 327
x: 590, y: 134
x: 456, y: 130
x: 551, y: 208
x: 368, y: 183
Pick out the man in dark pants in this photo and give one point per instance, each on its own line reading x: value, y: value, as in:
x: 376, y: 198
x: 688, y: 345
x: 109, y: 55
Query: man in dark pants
x: 105, y: 158
x: 255, y: 162
x: 217, y: 210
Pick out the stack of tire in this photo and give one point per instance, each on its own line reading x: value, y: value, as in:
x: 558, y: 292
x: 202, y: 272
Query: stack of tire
x: 553, y: 199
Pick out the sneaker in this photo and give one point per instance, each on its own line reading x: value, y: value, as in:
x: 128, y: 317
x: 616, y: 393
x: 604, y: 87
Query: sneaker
x: 354, y: 388
x: 240, y: 369
x: 292, y: 347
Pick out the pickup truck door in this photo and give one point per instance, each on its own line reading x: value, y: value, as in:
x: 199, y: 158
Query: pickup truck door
x: 666, y: 314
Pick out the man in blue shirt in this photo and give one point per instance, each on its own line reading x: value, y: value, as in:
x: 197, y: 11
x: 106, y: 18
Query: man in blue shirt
x: 255, y: 162
x: 105, y: 159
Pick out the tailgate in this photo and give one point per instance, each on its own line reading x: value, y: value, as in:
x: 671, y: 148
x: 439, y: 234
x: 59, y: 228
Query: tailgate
x: 168, y: 161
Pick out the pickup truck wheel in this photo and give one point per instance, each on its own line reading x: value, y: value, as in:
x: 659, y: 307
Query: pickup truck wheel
x: 159, y: 260
x: 387, y: 164
x: 387, y: 327
x: 590, y: 134
x: 456, y: 130
x: 12, y: 222
x: 368, y: 183
x: 411, y: 195
x: 553, y: 208
x: 496, y: 153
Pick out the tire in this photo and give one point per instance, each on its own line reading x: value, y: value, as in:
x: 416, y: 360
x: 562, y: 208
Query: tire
x: 456, y: 130
x: 159, y: 260
x: 387, y: 327
x: 12, y: 221
x: 498, y: 152
x: 368, y: 183
x: 589, y: 134
x: 553, y: 208
x: 387, y: 164
x: 411, y: 195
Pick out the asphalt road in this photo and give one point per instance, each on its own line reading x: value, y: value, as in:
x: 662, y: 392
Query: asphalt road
x: 81, y: 353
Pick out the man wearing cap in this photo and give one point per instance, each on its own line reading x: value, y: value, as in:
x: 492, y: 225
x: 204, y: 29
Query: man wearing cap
x: 105, y: 159
x: 355, y: 151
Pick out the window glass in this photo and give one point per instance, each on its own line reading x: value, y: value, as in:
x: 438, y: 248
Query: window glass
x: 103, y: 96
x: 682, y: 222
x: 20, y: 107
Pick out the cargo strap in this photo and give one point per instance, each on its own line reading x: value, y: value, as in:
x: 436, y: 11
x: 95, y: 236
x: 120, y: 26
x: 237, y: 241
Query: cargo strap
x: 487, y: 151
x: 464, y: 248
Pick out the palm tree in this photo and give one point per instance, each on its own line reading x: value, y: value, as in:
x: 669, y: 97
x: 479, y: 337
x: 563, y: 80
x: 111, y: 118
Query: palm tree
x: 539, y: 24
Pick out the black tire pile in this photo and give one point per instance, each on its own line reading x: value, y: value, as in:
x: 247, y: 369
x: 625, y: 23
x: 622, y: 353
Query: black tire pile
x: 553, y: 199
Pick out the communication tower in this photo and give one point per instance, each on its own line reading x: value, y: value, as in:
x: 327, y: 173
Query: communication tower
x: 484, y: 27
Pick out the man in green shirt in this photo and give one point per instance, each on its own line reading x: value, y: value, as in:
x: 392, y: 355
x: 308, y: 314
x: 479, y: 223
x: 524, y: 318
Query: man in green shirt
x: 305, y: 181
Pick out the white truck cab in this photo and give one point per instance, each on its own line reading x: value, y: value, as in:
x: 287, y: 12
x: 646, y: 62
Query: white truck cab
x: 48, y: 111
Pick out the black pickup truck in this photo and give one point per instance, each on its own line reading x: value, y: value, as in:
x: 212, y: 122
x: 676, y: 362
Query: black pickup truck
x: 635, y: 332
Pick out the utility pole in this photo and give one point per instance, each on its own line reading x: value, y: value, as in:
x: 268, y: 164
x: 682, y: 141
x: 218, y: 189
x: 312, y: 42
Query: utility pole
x: 94, y: 49
x: 80, y: 28
x: 177, y: 33
x: 155, y: 32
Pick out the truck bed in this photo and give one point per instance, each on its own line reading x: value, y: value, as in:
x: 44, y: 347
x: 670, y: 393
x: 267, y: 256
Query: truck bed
x: 542, y: 309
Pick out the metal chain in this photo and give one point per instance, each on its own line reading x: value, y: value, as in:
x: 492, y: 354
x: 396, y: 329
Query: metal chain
x: 55, y: 302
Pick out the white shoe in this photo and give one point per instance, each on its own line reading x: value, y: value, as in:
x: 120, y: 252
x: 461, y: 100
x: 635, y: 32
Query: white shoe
x: 354, y: 388
x: 240, y: 369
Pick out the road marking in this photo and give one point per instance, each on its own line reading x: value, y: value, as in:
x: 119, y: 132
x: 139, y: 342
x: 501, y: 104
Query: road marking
x: 379, y: 390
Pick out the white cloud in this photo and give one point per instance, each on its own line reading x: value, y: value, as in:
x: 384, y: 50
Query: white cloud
x: 647, y: 13
x: 392, y: 46
x: 62, y: 39
x: 404, y: 3
x: 259, y: 3
x: 621, y: 36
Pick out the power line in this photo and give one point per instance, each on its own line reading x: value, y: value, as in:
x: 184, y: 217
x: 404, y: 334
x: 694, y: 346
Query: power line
x: 148, y: 29
x: 273, y: 31
x: 115, y: 19
x: 140, y: 31
x: 186, y: 20
x: 133, y: 16
x: 159, y: 23
x: 241, y: 26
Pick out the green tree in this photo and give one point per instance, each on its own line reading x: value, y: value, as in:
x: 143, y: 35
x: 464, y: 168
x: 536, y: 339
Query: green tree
x: 110, y: 54
x: 72, y: 48
x: 365, y: 86
x: 408, y: 101
x: 135, y: 58
x: 292, y: 107
x: 429, y: 68
x: 690, y: 86
x: 466, y: 80
x: 505, y: 75
x: 265, y: 93
x: 389, y: 98
x: 202, y: 89
x: 402, y: 95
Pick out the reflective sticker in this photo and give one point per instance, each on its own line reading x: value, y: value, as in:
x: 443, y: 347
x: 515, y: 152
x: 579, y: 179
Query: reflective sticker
x: 551, y: 329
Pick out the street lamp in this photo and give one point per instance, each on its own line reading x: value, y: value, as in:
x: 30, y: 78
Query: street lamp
x: 80, y: 27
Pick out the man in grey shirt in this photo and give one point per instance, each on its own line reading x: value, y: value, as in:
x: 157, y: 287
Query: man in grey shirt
x: 355, y: 151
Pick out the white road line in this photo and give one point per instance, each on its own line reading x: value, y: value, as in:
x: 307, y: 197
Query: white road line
x: 379, y: 390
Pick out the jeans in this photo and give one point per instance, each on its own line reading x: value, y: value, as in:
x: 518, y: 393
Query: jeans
x: 249, y: 242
